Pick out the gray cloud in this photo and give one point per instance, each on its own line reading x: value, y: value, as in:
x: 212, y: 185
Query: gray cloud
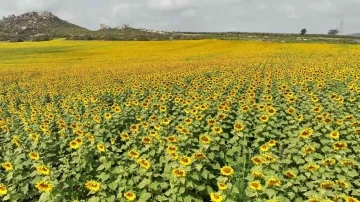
x: 201, y: 15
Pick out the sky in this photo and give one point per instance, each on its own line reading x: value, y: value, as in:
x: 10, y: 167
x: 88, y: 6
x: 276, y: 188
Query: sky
x: 281, y: 16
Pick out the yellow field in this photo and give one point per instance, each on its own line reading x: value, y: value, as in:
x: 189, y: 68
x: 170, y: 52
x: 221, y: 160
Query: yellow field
x: 184, y: 121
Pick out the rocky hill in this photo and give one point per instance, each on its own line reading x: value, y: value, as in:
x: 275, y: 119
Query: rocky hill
x: 36, y: 23
x: 39, y: 26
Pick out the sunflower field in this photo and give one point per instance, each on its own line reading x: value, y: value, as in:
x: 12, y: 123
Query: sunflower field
x: 201, y: 121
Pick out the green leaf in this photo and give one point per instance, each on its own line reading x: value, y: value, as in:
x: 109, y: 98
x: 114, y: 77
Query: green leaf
x: 144, y: 183
x: 145, y: 196
x: 270, y: 192
x: 198, y: 166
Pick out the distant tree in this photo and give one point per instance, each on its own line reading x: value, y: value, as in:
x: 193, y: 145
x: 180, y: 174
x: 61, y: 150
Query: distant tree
x: 126, y: 26
x: 303, y: 32
x: 333, y: 32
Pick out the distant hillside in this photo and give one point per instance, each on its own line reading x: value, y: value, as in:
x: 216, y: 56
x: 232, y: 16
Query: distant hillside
x: 42, y: 26
x: 356, y: 34
x: 39, y: 26
x: 37, y: 23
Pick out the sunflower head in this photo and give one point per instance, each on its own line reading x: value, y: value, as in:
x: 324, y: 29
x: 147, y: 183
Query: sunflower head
x: 185, y: 160
x: 93, y: 185
x: 179, y: 172
x: 255, y: 185
x: 215, y: 197
x: 144, y: 163
x: 34, y: 155
x: 3, y: 190
x: 7, y: 166
x: 227, y: 171
x: 130, y: 196
x: 44, y: 186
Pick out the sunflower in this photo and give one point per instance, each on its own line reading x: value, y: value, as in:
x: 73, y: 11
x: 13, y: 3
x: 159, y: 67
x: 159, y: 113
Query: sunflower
x: 205, y: 139
x: 334, y: 134
x: 199, y: 117
x: 172, y: 149
x: 313, y: 199
x: 134, y: 154
x: 34, y: 155
x: 347, y: 162
x: 79, y: 140
x: 217, y: 130
x: 227, y: 171
x: 124, y: 136
x: 342, y: 183
x: 272, y: 181
x: 100, y: 147
x: 339, y: 145
x: 311, y: 167
x: 44, y: 186
x: 146, y: 140
x: 144, y: 163
x: 329, y: 162
x: 268, y: 158
x: 185, y: 161
x: 271, y: 111
x: 34, y: 137
x: 215, y: 197
x: 153, y: 133
x: 264, y: 148
x: 3, y: 190
x: 163, y: 108
x: 157, y: 126
x: 184, y: 131
x: 308, y: 150
x: 93, y: 185
x: 222, y: 186
x: 238, y: 126
x: 264, y: 118
x: 188, y: 121
x: 107, y: 116
x: 74, y: 144
x: 90, y: 137
x: 255, y: 185
x: 172, y: 139
x: 179, y: 172
x: 43, y: 170
x: 165, y: 121
x: 317, y: 109
x: 291, y: 110
x: 174, y: 156
x: 300, y: 117
x: 306, y: 133
x: 290, y: 174
x: 7, y: 166
x: 244, y: 108
x: 211, y: 122
x: 112, y: 140
x: 351, y: 199
x: 199, y: 155
x: 130, y: 196
x: 271, y: 143
x: 134, y: 128
x: 257, y: 174
x: 257, y: 160
x: 327, y: 184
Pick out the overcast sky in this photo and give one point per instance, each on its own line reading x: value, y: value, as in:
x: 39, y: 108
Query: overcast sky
x: 317, y: 16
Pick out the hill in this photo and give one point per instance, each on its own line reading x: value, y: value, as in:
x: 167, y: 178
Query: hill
x: 36, y: 23
x: 355, y: 35
x: 40, y: 26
